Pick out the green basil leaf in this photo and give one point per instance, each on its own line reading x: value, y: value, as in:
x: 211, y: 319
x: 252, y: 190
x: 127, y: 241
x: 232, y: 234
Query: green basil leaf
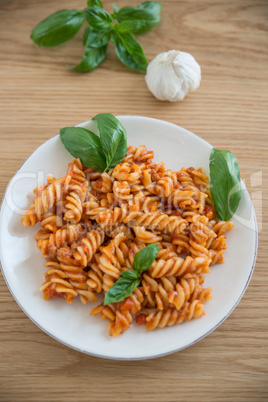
x: 147, y: 15
x: 130, y: 274
x: 95, y: 38
x: 145, y: 257
x: 92, y: 3
x: 92, y: 58
x: 83, y: 144
x: 115, y: 8
x: 129, y: 50
x: 122, y: 288
x: 86, y: 34
x: 113, y: 138
x: 129, y: 26
x: 225, y: 183
x: 98, y: 18
x: 58, y: 27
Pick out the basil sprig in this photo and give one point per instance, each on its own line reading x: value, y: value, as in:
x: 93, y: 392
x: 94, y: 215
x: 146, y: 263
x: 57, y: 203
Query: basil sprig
x: 98, y: 152
x: 130, y: 279
x: 225, y: 183
x: 64, y: 24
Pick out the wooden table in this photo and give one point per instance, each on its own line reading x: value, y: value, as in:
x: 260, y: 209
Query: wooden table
x: 39, y: 94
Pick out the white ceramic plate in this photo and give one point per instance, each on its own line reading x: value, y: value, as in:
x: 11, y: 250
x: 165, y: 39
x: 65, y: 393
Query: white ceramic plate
x: 72, y: 325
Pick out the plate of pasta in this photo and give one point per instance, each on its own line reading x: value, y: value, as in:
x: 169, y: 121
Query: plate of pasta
x: 71, y: 236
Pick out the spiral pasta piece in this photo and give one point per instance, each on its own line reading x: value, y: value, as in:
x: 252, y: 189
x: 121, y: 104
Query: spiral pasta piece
x: 51, y: 222
x: 152, y: 221
x: 124, y: 314
x: 108, y: 261
x: 47, y: 197
x: 127, y: 171
x: 57, y: 282
x: 167, y: 250
x: 188, y: 197
x: 76, y: 275
x: 120, y: 315
x: 182, y: 242
x: 63, y: 237
x: 179, y: 266
x: 145, y: 203
x: 140, y: 154
x: 145, y: 236
x: 87, y: 247
x: 187, y: 289
x: 222, y: 227
x: 157, y: 221
x: 107, y: 312
x: 77, y: 192
x: 170, y: 317
x: 95, y: 278
x: 122, y: 190
x: 104, y: 184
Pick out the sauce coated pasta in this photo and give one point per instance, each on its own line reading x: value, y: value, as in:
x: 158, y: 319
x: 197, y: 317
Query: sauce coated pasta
x: 92, y: 224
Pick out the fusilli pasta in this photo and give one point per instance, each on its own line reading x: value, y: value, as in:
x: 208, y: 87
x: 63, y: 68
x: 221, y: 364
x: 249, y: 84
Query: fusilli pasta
x: 92, y: 224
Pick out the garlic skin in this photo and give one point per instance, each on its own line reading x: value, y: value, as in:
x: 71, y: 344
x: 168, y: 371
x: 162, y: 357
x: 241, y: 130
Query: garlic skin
x: 171, y: 75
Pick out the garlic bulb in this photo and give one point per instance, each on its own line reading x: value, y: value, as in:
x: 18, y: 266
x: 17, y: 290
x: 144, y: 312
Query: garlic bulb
x: 171, y: 75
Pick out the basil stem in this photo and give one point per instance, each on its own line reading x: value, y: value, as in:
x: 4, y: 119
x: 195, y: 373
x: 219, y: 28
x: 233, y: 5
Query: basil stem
x: 225, y: 183
x: 58, y: 27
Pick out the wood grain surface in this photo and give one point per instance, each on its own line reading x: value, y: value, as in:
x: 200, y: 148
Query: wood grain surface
x: 39, y: 94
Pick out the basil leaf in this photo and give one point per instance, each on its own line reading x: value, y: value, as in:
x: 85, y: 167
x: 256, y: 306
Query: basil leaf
x: 95, y: 38
x: 92, y: 3
x: 122, y: 288
x: 58, y: 27
x: 145, y: 257
x: 92, y: 58
x: 129, y: 26
x: 115, y: 8
x: 83, y: 144
x: 129, y: 50
x: 98, y: 18
x: 130, y: 274
x: 146, y: 16
x: 225, y: 183
x: 86, y: 34
x: 129, y: 279
x: 113, y: 138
